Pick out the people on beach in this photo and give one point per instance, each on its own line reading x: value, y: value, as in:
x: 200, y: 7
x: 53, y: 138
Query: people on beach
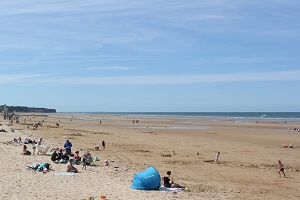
x: 103, y: 144
x: 169, y: 182
x: 96, y: 148
x: 77, y: 157
x: 70, y: 167
x: 40, y: 141
x: 88, y: 158
x: 34, y: 146
x: 25, y: 151
x: 83, y: 163
x: 27, y: 140
x: 68, y: 147
x: 54, y: 157
x: 217, y: 157
x: 280, y: 168
x: 63, y: 157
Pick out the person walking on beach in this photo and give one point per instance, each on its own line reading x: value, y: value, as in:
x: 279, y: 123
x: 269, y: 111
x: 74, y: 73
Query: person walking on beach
x: 280, y: 168
x: 68, y: 146
x: 103, y: 144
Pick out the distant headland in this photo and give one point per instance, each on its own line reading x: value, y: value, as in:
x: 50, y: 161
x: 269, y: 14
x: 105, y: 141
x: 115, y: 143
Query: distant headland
x: 27, y: 109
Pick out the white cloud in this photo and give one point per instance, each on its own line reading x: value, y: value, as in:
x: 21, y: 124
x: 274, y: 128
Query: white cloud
x: 167, y: 79
x: 109, y: 68
x: 18, y: 78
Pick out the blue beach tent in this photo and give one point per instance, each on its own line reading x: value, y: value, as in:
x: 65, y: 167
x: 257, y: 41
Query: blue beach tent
x: 146, y: 180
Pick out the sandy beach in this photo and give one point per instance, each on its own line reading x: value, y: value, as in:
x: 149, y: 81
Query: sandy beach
x: 247, y: 167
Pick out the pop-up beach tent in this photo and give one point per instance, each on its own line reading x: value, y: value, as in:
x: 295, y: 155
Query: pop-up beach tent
x: 146, y: 180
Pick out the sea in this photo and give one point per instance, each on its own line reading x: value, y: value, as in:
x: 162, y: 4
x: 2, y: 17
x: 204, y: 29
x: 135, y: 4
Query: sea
x: 238, y: 115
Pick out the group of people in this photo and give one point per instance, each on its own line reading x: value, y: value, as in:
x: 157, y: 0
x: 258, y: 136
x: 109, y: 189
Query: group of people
x: 288, y: 146
x: 97, y: 146
x: 33, y: 143
x: 59, y: 156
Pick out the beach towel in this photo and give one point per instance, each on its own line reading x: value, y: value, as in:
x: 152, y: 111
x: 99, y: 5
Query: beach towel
x: 65, y: 174
x: 166, y: 189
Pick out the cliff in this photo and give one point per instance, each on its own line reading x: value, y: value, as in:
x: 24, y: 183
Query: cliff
x: 28, y: 109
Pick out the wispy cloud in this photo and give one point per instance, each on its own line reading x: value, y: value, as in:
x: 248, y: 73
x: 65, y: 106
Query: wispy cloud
x: 153, y: 79
x: 19, y: 78
x: 109, y: 68
x: 205, y: 17
x: 246, y: 60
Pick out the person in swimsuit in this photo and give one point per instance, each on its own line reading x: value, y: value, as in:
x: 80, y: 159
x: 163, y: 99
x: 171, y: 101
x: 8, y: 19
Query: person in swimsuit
x: 168, y: 181
x: 280, y: 168
x: 70, y: 167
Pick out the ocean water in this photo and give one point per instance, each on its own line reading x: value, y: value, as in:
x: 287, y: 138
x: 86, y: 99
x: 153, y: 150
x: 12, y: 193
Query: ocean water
x: 241, y: 115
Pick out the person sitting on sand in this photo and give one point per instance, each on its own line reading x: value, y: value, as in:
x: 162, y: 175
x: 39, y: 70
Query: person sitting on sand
x: 70, y: 167
x: 25, y: 151
x: 77, y: 157
x: 27, y: 140
x: 280, y: 168
x: 96, y: 148
x: 168, y: 181
x: 54, y: 157
x: 63, y: 156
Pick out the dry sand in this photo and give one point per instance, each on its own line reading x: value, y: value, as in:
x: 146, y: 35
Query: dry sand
x: 186, y: 146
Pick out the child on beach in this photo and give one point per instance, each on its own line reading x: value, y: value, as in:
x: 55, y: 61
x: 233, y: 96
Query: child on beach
x: 280, y: 168
x: 217, y: 157
x: 83, y: 163
x: 34, y: 145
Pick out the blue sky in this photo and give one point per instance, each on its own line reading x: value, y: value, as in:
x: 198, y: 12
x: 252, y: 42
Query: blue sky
x: 196, y: 55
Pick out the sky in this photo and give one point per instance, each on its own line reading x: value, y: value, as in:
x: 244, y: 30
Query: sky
x: 151, y: 56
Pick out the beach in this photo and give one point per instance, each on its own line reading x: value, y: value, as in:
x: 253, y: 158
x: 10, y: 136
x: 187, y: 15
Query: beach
x: 247, y: 167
